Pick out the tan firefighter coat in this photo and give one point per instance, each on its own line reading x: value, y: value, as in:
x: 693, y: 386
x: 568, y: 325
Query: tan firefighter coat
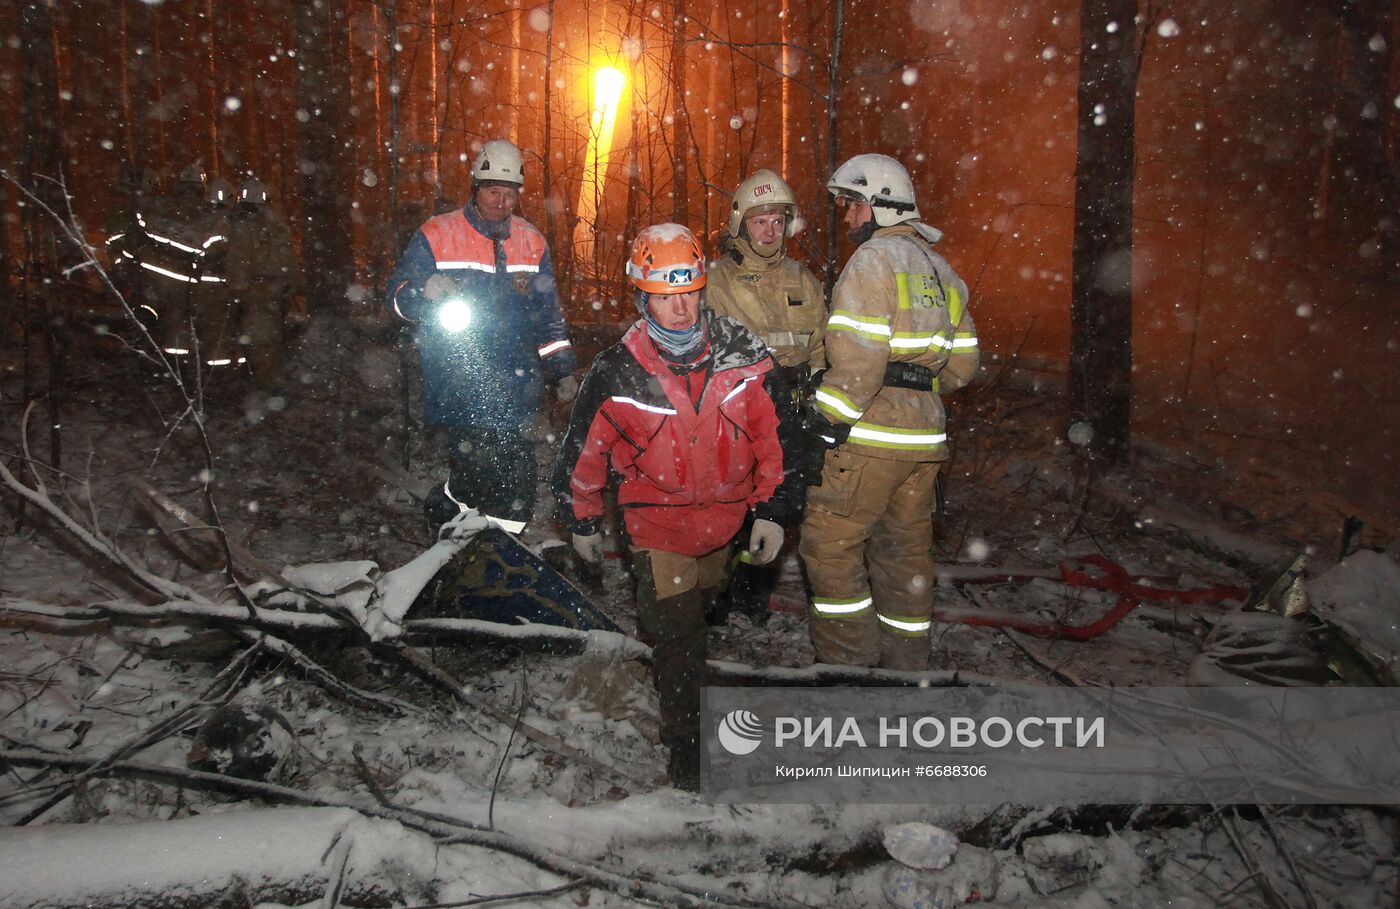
x: 896, y: 300
x: 778, y: 299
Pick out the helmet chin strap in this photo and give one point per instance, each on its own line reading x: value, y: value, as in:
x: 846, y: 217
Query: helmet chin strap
x: 766, y: 250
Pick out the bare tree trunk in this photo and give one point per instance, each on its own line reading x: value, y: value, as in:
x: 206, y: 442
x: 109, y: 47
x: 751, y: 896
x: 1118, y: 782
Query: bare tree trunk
x: 680, y: 137
x: 547, y: 171
x: 212, y: 89
x: 833, y: 89
x: 1101, y: 308
x: 43, y: 167
x: 320, y: 33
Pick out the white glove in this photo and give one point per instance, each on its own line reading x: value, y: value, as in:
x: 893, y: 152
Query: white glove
x: 589, y: 547
x: 438, y: 288
x: 765, y: 541
x: 566, y: 389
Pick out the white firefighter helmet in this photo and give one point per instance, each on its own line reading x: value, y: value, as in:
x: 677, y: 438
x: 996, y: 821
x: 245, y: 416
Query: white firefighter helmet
x: 193, y: 173
x: 760, y: 191
x: 881, y: 181
x: 219, y: 192
x: 254, y: 192
x: 499, y: 161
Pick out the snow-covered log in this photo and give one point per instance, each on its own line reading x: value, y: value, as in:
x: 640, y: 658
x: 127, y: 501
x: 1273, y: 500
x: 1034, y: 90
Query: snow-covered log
x: 284, y: 855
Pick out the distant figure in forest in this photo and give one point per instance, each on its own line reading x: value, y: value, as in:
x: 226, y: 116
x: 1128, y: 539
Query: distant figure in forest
x: 754, y: 282
x: 478, y: 285
x: 125, y: 239
x: 214, y: 322
x: 184, y: 255
x: 262, y: 276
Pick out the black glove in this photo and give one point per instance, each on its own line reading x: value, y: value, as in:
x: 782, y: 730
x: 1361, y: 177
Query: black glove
x: 818, y: 435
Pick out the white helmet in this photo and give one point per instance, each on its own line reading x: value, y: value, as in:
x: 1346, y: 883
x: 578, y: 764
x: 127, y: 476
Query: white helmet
x: 219, y: 191
x: 761, y: 190
x: 499, y: 161
x: 193, y: 173
x: 881, y: 181
x: 254, y: 192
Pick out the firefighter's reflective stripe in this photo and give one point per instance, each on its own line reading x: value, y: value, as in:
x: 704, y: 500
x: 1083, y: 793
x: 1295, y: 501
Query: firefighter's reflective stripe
x: 169, y: 274
x: 175, y: 243
x: 872, y: 328
x: 225, y: 361
x: 649, y: 408
x: 213, y: 279
x: 115, y: 237
x: 147, y: 308
x: 512, y: 269
x: 915, y: 342
x: 554, y: 347
x: 906, y: 625
x: 963, y: 340
x: 833, y: 402
x: 829, y: 607
x: 214, y: 239
x: 473, y: 266
x: 176, y: 351
x: 896, y: 438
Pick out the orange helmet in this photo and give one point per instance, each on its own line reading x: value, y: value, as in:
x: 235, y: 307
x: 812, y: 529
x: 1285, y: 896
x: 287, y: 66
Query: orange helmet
x: 667, y: 259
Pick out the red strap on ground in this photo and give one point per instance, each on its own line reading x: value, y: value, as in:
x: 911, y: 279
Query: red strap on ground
x: 1114, y: 578
x: 1075, y: 572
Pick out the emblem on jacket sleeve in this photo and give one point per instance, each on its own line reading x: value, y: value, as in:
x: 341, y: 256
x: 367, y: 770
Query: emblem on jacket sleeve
x: 523, y: 282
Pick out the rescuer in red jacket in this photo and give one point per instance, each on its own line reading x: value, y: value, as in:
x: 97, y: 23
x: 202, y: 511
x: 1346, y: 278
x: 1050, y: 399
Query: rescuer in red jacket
x: 690, y: 410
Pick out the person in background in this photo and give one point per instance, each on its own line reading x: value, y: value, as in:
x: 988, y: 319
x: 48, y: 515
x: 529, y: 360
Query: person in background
x: 691, y: 411
x: 262, y: 275
x: 899, y: 336
x: 756, y: 283
x: 478, y: 285
x: 183, y: 256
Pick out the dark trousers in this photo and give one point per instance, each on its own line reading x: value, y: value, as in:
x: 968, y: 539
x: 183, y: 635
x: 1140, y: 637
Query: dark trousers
x: 491, y: 470
x: 671, y: 617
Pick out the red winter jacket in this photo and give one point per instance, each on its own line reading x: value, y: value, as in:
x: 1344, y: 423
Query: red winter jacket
x: 690, y: 470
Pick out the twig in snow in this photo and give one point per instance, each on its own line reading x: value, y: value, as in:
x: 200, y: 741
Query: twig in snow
x: 502, y: 897
x: 510, y: 740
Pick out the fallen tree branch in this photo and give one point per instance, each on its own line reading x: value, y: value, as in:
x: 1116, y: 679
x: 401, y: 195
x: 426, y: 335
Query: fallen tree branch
x: 634, y: 884
x: 442, y: 679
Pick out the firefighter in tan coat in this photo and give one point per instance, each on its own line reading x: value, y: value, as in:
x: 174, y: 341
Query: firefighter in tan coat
x: 899, y: 336
x: 777, y: 298
x: 262, y: 273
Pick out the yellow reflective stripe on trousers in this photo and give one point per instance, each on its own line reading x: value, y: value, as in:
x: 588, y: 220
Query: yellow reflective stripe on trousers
x: 910, y: 626
x: 833, y: 402
x: 841, y: 607
x: 895, y: 438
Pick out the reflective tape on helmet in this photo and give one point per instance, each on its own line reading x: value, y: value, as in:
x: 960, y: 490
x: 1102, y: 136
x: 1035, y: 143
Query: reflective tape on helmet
x: 828, y: 607
x: 837, y: 404
x: 649, y: 408
x: 912, y: 627
x: 554, y: 347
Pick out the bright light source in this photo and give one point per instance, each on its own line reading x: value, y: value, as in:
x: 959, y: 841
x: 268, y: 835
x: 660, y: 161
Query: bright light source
x: 455, y: 315
x: 608, y: 83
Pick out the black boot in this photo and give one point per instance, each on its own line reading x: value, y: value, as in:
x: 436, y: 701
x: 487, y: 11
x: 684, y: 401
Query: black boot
x: 749, y: 589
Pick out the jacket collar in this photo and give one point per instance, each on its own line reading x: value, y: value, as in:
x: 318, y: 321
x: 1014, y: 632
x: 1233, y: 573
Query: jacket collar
x: 743, y: 252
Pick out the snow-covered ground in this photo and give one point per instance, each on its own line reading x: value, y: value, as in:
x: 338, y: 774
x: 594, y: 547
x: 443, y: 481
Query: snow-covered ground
x: 439, y: 800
